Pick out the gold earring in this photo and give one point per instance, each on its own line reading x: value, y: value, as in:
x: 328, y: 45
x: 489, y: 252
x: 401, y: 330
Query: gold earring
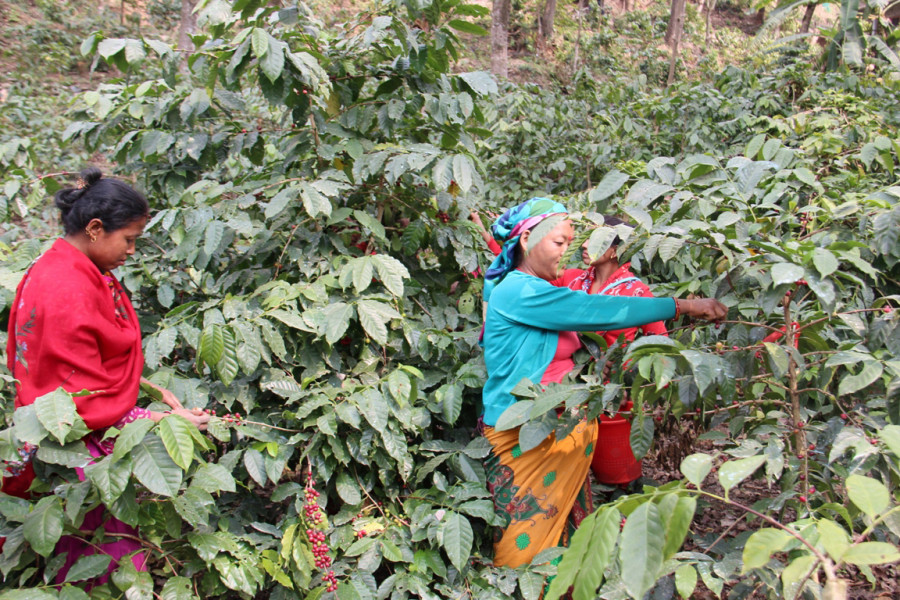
x: 92, y: 236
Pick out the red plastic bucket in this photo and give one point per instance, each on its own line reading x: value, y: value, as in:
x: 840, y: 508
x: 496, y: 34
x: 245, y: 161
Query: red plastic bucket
x: 613, y: 461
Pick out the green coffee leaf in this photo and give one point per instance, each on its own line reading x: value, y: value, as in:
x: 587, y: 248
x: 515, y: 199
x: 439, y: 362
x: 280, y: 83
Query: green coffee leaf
x: 337, y: 319
x: 214, y: 478
x: 676, y: 512
x: 870, y: 372
x: 88, y: 567
x: 57, y: 413
x: 154, y: 468
x: 685, y: 581
x: 67, y: 592
x: 869, y: 495
x: 374, y: 317
x: 348, y: 489
x: 44, y: 525
x: 696, y: 467
x: 611, y: 183
x: 27, y: 594
x: 457, y: 538
x: 795, y: 573
x: 834, y: 538
x: 28, y: 428
x: 872, y: 553
x: 890, y: 435
x: 733, y: 472
x: 212, y: 344
x: 255, y: 465
x: 705, y: 367
x: 640, y: 545
x: 450, y: 397
x: 514, y: 416
x: 481, y: 82
x: 825, y: 262
x: 641, y: 437
x: 175, y: 432
x: 110, y: 476
x: 177, y: 588
x: 761, y: 545
x: 754, y: 146
x: 784, y: 273
x: 391, y: 272
x: 531, y: 585
x: 227, y: 367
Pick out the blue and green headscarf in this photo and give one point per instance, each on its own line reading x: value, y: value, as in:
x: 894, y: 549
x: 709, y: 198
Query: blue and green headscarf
x: 507, y: 230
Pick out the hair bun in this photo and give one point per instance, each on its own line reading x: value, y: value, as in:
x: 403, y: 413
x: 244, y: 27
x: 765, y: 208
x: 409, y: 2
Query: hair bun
x: 89, y: 176
x: 66, y: 198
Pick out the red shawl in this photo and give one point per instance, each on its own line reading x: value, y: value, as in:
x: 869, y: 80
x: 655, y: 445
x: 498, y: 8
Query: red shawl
x: 72, y: 326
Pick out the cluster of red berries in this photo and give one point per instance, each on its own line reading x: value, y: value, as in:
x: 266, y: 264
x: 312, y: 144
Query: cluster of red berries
x: 444, y: 217
x: 232, y: 418
x: 316, y: 538
x: 311, y: 508
x: 319, y: 548
x: 330, y: 581
x: 320, y: 552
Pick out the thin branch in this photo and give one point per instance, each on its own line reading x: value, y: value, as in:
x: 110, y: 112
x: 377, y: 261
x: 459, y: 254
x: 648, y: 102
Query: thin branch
x: 287, y: 243
x: 416, y: 300
x: 830, y: 571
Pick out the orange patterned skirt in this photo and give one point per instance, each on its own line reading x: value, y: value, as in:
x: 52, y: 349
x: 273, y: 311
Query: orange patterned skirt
x: 542, y: 494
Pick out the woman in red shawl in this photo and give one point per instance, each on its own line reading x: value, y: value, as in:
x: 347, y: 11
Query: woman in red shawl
x: 72, y: 326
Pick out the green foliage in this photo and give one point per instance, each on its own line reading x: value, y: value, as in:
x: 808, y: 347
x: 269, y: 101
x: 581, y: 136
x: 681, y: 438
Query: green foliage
x: 303, y: 265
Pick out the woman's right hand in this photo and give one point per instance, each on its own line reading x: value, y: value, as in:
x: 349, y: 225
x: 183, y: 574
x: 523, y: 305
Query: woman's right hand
x: 707, y: 309
x: 195, y: 415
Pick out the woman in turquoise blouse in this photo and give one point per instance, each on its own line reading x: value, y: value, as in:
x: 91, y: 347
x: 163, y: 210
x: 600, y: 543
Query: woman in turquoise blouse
x: 529, y: 332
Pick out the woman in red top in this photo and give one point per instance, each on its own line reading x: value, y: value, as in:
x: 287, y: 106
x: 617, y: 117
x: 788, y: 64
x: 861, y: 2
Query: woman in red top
x: 606, y: 276
x: 613, y: 462
x: 71, y: 325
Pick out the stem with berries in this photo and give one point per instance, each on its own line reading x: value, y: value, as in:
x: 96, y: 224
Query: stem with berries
x: 315, y: 519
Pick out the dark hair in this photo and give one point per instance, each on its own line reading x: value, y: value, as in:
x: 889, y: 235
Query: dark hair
x: 612, y: 222
x: 112, y: 201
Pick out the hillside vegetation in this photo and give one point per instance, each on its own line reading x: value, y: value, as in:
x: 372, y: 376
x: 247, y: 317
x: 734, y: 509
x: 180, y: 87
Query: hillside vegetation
x: 309, y: 266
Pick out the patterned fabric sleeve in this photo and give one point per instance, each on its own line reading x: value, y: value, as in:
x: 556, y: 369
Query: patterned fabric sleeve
x: 106, y: 446
x: 133, y: 415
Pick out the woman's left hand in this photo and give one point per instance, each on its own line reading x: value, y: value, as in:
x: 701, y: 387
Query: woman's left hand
x: 165, y: 396
x: 170, y: 399
x: 195, y: 415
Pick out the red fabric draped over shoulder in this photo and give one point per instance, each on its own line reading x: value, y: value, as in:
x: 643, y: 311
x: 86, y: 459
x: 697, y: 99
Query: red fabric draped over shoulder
x: 73, y: 327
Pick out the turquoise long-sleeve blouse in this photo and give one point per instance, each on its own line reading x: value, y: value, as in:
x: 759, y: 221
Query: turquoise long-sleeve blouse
x: 522, y: 325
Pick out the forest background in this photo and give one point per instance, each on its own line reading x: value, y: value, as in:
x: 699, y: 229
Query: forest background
x: 309, y: 266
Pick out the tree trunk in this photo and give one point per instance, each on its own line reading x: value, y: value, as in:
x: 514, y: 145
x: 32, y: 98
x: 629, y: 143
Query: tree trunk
x: 500, y: 38
x: 807, y: 17
x: 545, y: 20
x: 187, y: 26
x: 676, y: 24
x: 581, y: 11
x: 676, y: 21
x: 710, y: 7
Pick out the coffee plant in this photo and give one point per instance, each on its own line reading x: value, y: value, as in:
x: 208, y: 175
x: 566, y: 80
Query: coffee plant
x: 308, y: 275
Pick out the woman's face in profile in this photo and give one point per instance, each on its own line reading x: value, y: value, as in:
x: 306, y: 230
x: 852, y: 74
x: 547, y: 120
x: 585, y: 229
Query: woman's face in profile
x: 543, y: 259
x: 112, y: 249
x: 604, y: 258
